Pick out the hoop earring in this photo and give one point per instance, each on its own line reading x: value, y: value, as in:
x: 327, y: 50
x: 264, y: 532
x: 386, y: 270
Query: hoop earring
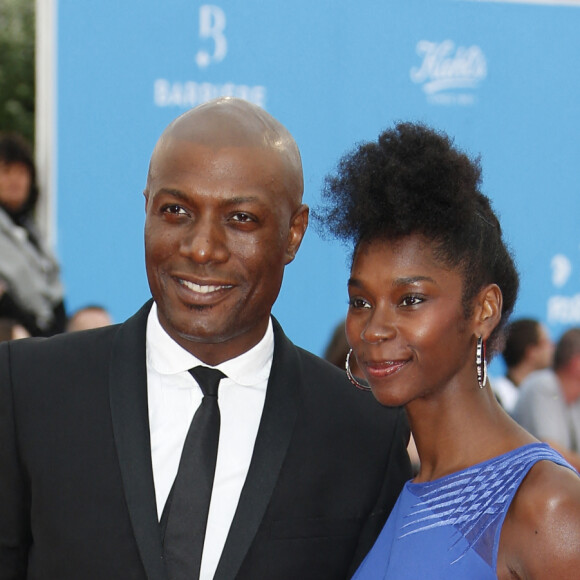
x: 481, y: 363
x: 351, y: 377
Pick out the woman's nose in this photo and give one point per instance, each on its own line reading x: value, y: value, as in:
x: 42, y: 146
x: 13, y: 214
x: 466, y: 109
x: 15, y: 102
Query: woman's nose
x: 379, y: 327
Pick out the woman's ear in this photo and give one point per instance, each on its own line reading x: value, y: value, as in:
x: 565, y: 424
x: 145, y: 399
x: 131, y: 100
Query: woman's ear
x: 488, y: 310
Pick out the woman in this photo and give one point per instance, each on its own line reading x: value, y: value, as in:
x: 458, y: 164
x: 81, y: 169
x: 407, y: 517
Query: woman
x: 431, y: 286
x: 30, y: 288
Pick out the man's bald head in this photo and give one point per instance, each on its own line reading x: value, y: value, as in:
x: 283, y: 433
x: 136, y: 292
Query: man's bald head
x: 229, y: 122
x: 223, y: 219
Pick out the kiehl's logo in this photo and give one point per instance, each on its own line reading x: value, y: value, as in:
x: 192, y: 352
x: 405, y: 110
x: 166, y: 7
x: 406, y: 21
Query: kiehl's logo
x: 447, y: 68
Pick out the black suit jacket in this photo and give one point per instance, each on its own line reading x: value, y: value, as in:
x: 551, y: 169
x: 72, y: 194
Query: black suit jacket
x: 77, y: 499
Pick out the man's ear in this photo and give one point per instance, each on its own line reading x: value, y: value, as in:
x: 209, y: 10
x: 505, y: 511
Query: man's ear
x: 487, y: 314
x: 146, y: 195
x: 298, y: 225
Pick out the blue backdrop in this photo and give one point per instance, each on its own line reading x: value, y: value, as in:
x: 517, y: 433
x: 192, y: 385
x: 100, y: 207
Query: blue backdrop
x: 502, y: 78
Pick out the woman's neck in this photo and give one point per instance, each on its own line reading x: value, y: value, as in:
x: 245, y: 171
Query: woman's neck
x: 459, y: 430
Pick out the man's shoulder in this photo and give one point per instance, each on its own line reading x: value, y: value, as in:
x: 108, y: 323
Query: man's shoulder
x: 319, y: 364
x: 542, y: 381
x: 539, y: 393
x: 312, y: 368
x: 327, y: 387
x: 58, y: 349
x: 283, y: 344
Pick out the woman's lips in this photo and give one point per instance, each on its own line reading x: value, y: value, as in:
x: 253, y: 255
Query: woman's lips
x: 381, y: 369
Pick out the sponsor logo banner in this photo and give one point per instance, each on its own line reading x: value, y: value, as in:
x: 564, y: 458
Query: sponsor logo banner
x: 449, y: 74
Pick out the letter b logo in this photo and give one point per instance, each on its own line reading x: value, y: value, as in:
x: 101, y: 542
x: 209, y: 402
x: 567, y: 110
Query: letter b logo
x: 212, y: 22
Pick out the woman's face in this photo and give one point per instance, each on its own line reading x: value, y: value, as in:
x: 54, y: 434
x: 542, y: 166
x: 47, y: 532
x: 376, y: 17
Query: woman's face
x: 406, y: 322
x: 14, y: 185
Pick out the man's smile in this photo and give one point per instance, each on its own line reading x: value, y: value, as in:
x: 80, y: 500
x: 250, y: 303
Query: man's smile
x: 204, y: 288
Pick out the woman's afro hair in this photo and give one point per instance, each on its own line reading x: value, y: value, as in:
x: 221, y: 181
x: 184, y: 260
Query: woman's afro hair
x: 414, y: 181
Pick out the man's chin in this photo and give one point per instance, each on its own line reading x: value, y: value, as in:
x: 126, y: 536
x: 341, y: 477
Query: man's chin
x: 181, y: 327
x: 200, y: 337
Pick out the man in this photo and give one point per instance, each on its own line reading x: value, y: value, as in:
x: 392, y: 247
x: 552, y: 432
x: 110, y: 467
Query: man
x: 93, y: 424
x: 528, y: 348
x: 549, y: 402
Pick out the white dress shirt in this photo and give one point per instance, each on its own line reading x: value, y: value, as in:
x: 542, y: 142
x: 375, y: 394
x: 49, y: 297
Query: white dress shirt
x: 506, y: 392
x: 174, y: 396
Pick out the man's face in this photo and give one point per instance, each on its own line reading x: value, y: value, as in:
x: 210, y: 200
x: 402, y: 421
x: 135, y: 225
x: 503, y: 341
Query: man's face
x: 542, y: 353
x: 220, y: 227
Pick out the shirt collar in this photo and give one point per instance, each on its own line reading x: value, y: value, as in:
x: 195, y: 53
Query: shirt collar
x: 167, y: 357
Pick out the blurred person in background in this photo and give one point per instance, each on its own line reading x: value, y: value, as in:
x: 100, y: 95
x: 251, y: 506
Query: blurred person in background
x: 11, y: 330
x: 337, y: 349
x: 31, y: 291
x: 91, y: 316
x: 549, y: 401
x: 527, y: 348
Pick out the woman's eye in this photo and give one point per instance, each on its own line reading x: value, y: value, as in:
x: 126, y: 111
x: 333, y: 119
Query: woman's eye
x: 411, y: 301
x: 358, y: 303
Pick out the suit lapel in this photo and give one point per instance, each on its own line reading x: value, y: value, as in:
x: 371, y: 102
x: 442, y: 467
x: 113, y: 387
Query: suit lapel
x: 272, y: 441
x: 129, y: 410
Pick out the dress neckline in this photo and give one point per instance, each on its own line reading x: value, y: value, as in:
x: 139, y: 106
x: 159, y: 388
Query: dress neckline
x: 477, y: 466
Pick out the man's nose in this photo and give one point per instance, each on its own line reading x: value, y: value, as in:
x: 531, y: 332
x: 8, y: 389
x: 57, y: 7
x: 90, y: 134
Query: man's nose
x: 206, y: 241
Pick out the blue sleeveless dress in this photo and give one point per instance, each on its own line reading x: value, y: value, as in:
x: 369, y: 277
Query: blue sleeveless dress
x: 449, y: 528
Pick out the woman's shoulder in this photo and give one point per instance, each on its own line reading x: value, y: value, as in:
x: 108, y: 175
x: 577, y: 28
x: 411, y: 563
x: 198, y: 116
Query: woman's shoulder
x: 541, y: 534
x: 547, y: 488
x: 548, y: 493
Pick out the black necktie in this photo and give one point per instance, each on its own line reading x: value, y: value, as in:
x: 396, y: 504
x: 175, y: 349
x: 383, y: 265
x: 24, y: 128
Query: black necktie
x: 186, y: 510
